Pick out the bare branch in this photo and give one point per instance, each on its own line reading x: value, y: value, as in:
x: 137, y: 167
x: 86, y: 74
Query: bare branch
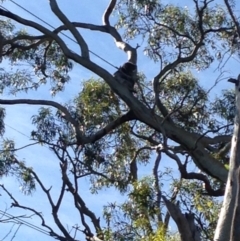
x: 131, y: 52
x: 43, y: 222
x: 215, y: 140
x: 229, y: 8
x: 108, y: 12
x: 71, y: 28
x: 192, y: 175
x: 53, y: 206
x: 20, y: 148
x: 60, y: 198
x: 81, y: 139
x: 81, y: 206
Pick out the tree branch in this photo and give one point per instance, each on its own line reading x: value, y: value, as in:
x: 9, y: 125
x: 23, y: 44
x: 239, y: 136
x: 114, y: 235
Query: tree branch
x: 43, y: 223
x: 156, y: 183
x: 237, y: 25
x: 71, y: 28
x: 180, y: 220
x: 54, y: 208
x: 81, y: 206
x: 108, y: 11
x: 64, y: 110
x: 2, y: 41
x: 81, y: 139
x: 111, y: 126
x: 201, y: 156
x: 192, y: 175
x: 131, y: 52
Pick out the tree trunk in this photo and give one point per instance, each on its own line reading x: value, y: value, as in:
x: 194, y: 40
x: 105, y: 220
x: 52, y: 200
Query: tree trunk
x: 228, y: 227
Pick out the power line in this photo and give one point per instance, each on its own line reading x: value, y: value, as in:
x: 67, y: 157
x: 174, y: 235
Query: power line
x: 17, y: 130
x: 51, y: 26
x: 21, y: 221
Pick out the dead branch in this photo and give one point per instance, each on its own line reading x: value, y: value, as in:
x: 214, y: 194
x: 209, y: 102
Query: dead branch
x: 81, y: 206
x: 34, y: 211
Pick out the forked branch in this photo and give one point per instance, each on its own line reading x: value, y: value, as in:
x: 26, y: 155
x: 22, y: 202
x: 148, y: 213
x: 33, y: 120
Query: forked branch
x: 131, y: 52
x: 83, y: 45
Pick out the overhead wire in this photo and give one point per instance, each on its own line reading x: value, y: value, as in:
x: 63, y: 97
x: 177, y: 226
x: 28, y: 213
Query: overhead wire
x: 21, y: 221
x: 65, y: 35
x: 16, y: 130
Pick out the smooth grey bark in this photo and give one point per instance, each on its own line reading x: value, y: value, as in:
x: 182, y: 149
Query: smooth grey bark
x: 235, y: 229
x: 185, y: 223
x: 228, y: 227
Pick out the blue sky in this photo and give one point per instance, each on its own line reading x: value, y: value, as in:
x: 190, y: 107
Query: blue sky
x: 18, y: 117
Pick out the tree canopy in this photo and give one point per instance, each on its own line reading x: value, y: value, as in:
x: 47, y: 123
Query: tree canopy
x: 116, y: 139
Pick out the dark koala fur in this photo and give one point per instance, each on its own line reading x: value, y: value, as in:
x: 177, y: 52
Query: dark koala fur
x: 126, y: 75
x: 128, y: 68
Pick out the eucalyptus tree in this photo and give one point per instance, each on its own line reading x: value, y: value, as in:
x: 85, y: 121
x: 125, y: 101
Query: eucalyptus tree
x: 109, y: 133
